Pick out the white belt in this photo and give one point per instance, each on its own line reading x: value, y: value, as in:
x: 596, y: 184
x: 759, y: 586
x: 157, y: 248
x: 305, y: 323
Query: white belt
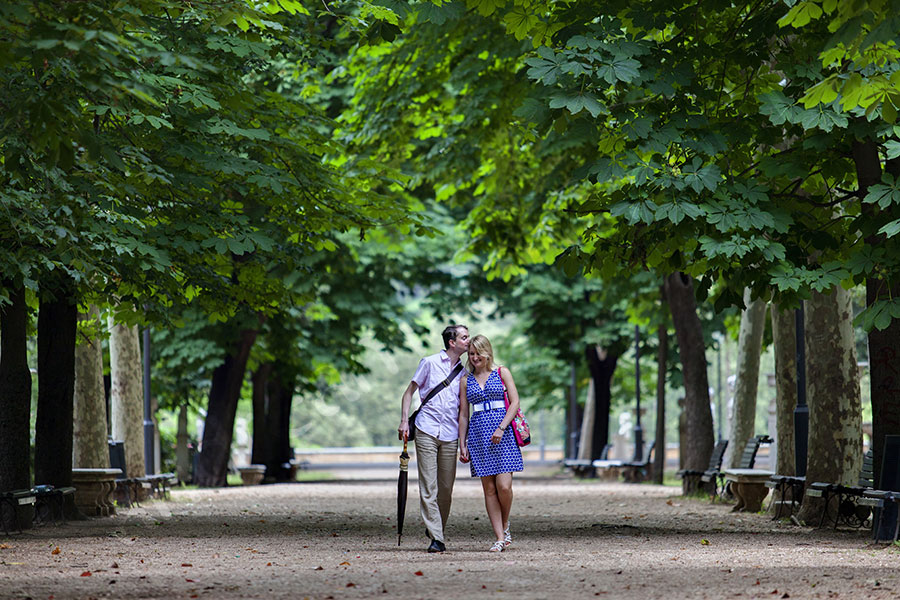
x: 493, y: 405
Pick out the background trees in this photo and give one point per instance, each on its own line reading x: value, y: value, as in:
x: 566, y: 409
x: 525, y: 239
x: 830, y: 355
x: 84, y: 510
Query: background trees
x: 270, y: 185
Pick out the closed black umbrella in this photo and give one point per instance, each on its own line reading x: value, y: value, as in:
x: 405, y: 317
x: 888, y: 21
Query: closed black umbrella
x: 402, y: 485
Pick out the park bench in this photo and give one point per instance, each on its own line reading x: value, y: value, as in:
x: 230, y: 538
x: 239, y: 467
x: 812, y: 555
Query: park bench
x: 788, y: 492
x: 610, y: 467
x: 886, y: 501
x: 10, y: 502
x: 132, y: 489
x: 848, y: 510
x: 50, y: 502
x: 583, y: 467
x: 711, y: 477
x: 747, y: 461
x: 636, y: 471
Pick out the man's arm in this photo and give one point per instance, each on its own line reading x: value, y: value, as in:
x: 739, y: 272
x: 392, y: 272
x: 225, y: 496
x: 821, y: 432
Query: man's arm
x: 403, y: 430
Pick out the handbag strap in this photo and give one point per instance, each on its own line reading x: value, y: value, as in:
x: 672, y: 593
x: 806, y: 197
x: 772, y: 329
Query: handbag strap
x: 442, y: 384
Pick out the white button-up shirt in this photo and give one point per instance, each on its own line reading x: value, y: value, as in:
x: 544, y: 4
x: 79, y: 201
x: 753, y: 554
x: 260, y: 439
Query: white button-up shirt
x: 440, y: 416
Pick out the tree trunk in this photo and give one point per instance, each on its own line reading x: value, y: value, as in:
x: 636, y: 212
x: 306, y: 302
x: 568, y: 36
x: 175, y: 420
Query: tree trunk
x: 743, y: 421
x: 662, y: 359
x: 182, y: 455
x: 15, y: 392
x: 699, y: 438
x: 218, y: 430
x: 283, y: 396
x: 261, y: 452
x: 53, y: 429
x: 602, y: 365
x: 884, y: 345
x: 835, y: 414
x: 585, y: 448
x: 884, y: 374
x: 277, y: 425
x: 126, y: 401
x: 784, y: 337
x: 90, y: 447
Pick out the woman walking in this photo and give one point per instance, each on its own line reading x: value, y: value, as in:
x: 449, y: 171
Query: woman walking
x: 486, y: 438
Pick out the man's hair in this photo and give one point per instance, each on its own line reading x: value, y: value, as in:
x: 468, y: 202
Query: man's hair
x: 450, y: 332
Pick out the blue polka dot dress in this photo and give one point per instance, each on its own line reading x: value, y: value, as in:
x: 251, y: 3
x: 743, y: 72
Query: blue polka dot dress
x: 487, y: 458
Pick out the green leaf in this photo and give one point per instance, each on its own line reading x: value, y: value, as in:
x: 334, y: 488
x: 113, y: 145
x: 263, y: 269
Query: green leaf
x: 891, y: 229
x: 519, y: 22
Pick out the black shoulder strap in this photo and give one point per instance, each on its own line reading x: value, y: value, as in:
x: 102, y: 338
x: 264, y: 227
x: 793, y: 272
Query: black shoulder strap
x: 442, y: 384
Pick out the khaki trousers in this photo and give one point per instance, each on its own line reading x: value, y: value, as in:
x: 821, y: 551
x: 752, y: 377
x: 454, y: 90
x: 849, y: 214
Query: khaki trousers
x: 436, y: 461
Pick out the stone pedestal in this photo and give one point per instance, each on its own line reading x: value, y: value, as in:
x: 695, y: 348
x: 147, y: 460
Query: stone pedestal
x: 94, y: 489
x: 749, y: 488
x: 252, y: 474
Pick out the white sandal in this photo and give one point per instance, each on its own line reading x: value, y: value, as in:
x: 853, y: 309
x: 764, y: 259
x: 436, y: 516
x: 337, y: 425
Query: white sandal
x: 508, y: 538
x: 499, y: 546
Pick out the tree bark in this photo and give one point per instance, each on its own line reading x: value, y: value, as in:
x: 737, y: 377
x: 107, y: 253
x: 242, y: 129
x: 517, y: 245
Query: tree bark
x: 884, y: 345
x: 884, y: 374
x: 602, y: 366
x: 284, y: 452
x: 218, y: 430
x: 586, y: 438
x: 743, y: 422
x: 699, y: 437
x: 90, y: 435
x: 835, y: 414
x: 261, y: 452
x: 182, y: 455
x: 126, y: 401
x: 662, y: 359
x: 54, y: 429
x: 15, y: 392
x: 785, y: 342
x: 280, y: 396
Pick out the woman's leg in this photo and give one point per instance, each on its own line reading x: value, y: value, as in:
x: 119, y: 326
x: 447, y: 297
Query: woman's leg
x: 492, y: 504
x: 503, y: 483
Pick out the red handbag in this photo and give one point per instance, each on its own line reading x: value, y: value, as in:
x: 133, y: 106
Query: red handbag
x: 520, y: 426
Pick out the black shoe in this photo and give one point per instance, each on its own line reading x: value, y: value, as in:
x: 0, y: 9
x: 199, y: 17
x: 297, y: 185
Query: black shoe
x: 436, y: 546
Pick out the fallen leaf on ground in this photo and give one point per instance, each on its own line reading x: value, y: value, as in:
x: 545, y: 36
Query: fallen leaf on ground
x: 704, y: 542
x: 418, y: 573
x: 351, y: 584
x: 344, y: 563
x: 86, y: 574
x: 186, y: 565
x: 55, y: 550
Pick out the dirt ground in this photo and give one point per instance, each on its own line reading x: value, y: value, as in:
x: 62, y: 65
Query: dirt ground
x: 337, y: 540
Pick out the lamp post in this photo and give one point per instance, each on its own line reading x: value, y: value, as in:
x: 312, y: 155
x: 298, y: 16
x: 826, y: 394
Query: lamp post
x: 638, y: 431
x: 801, y: 412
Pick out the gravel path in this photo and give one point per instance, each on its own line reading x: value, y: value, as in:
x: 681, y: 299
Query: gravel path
x: 336, y: 540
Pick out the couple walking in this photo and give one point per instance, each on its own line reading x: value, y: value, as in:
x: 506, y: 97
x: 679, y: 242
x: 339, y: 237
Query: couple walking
x: 445, y: 430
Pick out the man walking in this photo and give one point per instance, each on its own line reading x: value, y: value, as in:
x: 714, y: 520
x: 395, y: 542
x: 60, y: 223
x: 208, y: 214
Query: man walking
x: 437, y: 430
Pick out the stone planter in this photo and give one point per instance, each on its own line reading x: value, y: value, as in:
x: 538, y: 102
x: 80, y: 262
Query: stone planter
x: 252, y: 474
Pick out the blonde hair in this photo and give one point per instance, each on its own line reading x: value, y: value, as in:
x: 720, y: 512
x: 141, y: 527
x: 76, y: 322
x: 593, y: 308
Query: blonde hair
x: 482, y: 347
